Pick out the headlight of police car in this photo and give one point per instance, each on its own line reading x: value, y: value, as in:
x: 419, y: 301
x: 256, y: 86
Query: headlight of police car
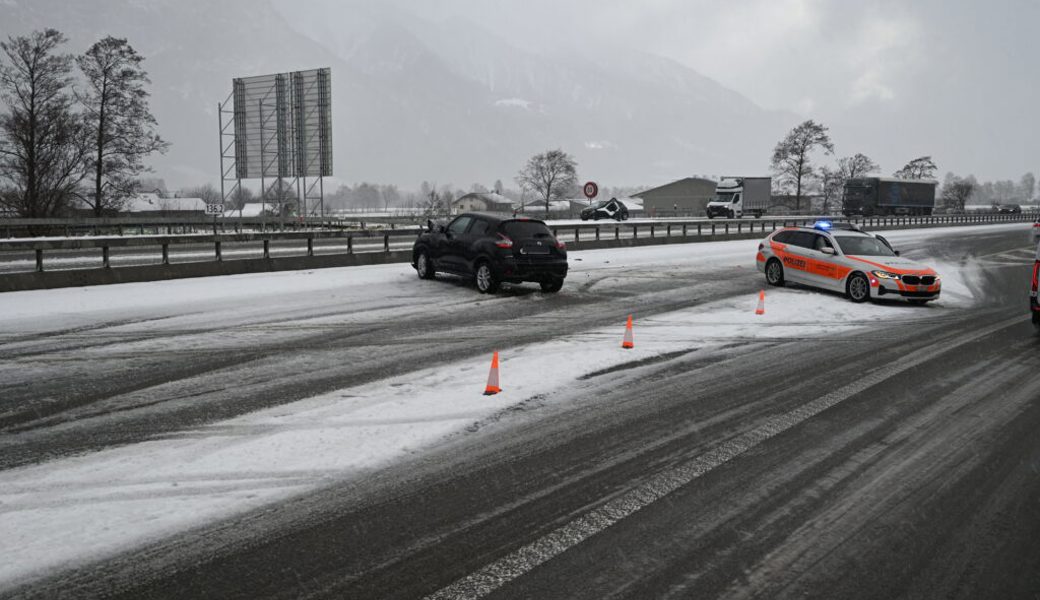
x: 885, y: 275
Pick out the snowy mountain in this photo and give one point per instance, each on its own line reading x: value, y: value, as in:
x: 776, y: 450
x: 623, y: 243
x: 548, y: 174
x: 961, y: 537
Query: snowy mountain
x: 419, y: 98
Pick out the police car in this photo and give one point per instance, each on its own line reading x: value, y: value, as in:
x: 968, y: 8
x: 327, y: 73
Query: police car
x: 842, y: 258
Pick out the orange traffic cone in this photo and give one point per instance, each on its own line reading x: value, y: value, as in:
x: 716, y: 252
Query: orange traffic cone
x: 761, y: 310
x: 492, y: 384
x: 628, y: 343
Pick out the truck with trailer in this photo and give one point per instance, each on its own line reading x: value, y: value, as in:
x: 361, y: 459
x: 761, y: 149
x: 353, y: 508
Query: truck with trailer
x: 739, y: 196
x: 884, y: 196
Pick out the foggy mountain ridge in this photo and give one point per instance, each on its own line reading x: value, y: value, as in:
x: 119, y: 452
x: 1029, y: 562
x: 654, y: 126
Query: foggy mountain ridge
x: 415, y: 98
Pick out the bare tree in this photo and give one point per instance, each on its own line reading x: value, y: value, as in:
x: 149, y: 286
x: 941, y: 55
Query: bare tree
x: 921, y: 167
x: 41, y: 138
x: 858, y: 165
x: 956, y: 192
x: 1026, y: 185
x: 792, y: 155
x: 122, y: 126
x: 391, y: 196
x: 208, y: 194
x: 551, y: 175
x: 434, y: 204
x: 832, y: 182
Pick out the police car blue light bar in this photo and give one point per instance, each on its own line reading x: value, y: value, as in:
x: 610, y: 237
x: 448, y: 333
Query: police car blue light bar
x: 822, y: 225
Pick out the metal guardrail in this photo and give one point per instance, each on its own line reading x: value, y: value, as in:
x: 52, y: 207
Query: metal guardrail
x: 159, y: 225
x: 385, y: 239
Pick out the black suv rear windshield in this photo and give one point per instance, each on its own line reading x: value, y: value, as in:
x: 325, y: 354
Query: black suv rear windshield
x: 519, y: 230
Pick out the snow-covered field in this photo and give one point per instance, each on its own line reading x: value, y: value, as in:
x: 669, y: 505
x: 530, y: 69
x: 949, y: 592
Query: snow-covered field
x: 78, y: 509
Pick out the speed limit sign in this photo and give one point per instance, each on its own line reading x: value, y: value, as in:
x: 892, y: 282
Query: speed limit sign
x: 591, y: 189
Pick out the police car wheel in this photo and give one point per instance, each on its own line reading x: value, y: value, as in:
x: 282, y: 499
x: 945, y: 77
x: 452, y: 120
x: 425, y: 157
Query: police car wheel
x: 774, y: 273
x: 858, y: 288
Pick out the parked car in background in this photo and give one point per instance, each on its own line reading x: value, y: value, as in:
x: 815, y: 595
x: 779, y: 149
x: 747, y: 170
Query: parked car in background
x: 605, y: 209
x: 1009, y: 208
x: 492, y: 250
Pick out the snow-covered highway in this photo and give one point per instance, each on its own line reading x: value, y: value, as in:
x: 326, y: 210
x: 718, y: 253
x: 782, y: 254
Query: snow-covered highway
x: 168, y: 438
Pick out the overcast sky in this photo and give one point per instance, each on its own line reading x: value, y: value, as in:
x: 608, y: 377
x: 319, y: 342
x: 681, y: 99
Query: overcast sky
x: 962, y: 77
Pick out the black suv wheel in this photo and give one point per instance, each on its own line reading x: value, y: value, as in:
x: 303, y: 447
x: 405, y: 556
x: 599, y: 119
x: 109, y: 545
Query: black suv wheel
x: 551, y: 286
x: 485, y: 279
x: 424, y: 266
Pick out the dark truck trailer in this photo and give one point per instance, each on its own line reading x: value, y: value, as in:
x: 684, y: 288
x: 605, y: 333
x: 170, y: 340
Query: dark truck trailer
x: 883, y: 196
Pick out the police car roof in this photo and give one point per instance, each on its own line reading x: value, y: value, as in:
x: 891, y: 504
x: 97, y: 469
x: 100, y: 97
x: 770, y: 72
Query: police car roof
x: 836, y: 231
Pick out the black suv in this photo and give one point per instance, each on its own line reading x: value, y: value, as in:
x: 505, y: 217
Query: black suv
x: 492, y: 250
x: 605, y: 209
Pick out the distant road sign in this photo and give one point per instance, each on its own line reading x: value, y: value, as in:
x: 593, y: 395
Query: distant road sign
x: 214, y: 209
x: 591, y: 189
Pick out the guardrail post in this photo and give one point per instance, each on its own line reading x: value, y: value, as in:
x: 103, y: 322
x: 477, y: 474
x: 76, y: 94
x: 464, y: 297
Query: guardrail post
x: 635, y: 231
x: 165, y: 254
x: 217, y: 248
x: 739, y: 227
x: 651, y: 230
x: 597, y: 233
x: 39, y: 260
x: 386, y: 242
x: 699, y: 230
x: 577, y: 237
x: 350, y: 244
x: 310, y: 246
x: 668, y: 230
x: 104, y: 257
x: 712, y: 230
x: 617, y: 232
x: 727, y: 228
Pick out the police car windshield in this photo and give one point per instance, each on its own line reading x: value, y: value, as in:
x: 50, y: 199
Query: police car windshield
x: 863, y: 246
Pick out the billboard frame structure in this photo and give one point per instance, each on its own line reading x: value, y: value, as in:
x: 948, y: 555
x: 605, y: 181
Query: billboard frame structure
x: 278, y: 126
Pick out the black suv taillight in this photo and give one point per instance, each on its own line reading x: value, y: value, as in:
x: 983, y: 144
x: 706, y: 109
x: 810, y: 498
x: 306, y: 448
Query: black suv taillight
x: 504, y: 242
x: 1036, y: 275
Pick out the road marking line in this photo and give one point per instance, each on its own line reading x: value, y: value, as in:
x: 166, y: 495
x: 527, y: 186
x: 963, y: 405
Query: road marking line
x: 482, y: 582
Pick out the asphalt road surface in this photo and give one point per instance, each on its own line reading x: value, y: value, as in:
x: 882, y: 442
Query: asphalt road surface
x: 898, y: 461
